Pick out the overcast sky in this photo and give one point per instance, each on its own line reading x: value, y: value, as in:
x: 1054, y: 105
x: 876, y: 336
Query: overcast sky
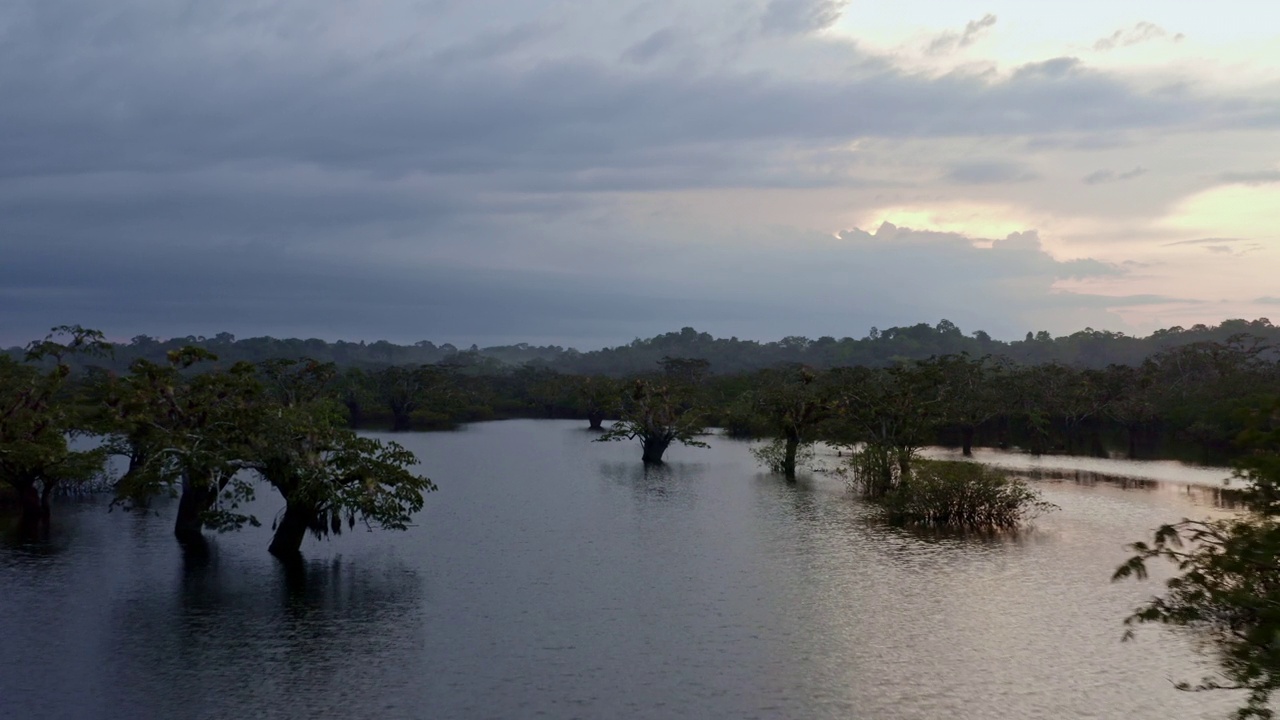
x: 586, y: 172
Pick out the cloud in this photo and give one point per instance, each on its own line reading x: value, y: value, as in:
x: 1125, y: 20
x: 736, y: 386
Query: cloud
x: 1237, y: 247
x: 989, y: 173
x: 1257, y: 177
x: 1205, y: 241
x: 1053, y: 69
x: 800, y: 17
x: 1139, y: 33
x: 462, y: 271
x: 1099, y: 177
x: 429, y: 169
x: 949, y: 42
x: 654, y: 45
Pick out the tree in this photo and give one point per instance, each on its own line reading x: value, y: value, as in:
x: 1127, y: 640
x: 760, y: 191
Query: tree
x: 37, y: 415
x: 657, y: 412
x: 972, y: 393
x: 1229, y: 581
x: 792, y: 403
x: 893, y: 412
x: 411, y: 393
x: 326, y: 474
x: 197, y: 434
x: 596, y: 396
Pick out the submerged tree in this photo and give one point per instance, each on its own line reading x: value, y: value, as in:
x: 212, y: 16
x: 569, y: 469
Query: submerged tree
x: 973, y: 394
x: 37, y: 415
x: 791, y: 403
x: 278, y: 420
x: 892, y: 413
x: 657, y: 412
x: 1229, y: 581
x: 596, y: 396
x: 191, y: 431
x: 327, y: 475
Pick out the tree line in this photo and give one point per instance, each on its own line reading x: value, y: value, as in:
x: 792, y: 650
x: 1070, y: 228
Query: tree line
x: 1086, y: 348
x: 1189, y: 396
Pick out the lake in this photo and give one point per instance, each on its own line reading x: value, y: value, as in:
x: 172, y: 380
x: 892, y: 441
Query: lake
x: 556, y: 577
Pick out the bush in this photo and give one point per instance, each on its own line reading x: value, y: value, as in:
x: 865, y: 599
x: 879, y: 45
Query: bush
x: 962, y: 495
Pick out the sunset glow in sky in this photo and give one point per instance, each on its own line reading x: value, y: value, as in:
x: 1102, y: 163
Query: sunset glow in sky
x: 588, y: 172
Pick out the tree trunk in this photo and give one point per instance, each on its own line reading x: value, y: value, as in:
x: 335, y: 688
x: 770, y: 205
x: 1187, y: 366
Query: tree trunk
x: 1096, y: 447
x: 46, y: 500
x: 286, y: 544
x: 789, y: 456
x: 654, y: 447
x: 966, y: 441
x: 196, y: 497
x: 596, y: 418
x: 29, y: 501
x: 353, y: 413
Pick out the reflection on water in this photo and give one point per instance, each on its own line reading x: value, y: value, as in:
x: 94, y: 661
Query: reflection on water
x: 1170, y: 471
x: 553, y: 576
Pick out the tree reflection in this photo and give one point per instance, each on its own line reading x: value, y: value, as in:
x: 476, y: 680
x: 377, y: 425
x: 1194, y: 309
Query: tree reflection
x: 313, y: 638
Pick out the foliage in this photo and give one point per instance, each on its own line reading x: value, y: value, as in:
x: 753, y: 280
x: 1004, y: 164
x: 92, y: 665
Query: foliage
x: 973, y: 392
x: 874, y: 470
x: 1228, y: 584
x: 1087, y: 348
x: 324, y: 471
x: 199, y: 433
x: 773, y: 456
x: 657, y: 412
x: 186, y: 434
x: 37, y: 416
x: 792, y: 404
x: 962, y: 495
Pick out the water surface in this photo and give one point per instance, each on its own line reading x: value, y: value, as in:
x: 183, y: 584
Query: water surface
x: 555, y: 577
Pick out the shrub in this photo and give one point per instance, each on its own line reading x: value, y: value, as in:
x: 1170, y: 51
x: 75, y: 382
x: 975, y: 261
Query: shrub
x: 963, y: 495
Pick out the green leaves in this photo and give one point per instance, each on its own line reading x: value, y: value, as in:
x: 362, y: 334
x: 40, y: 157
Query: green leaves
x: 37, y: 415
x: 1229, y: 586
x: 657, y: 412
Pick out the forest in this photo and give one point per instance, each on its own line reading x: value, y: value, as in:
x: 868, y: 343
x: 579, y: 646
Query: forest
x: 1087, y: 348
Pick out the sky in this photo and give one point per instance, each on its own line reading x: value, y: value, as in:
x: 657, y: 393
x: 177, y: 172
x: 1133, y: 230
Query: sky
x: 587, y: 172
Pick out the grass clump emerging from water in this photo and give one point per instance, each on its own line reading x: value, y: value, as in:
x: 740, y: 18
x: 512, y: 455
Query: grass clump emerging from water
x: 952, y: 494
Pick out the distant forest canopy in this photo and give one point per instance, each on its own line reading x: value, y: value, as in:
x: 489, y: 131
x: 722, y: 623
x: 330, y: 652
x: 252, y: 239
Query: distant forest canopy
x: 1087, y: 348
